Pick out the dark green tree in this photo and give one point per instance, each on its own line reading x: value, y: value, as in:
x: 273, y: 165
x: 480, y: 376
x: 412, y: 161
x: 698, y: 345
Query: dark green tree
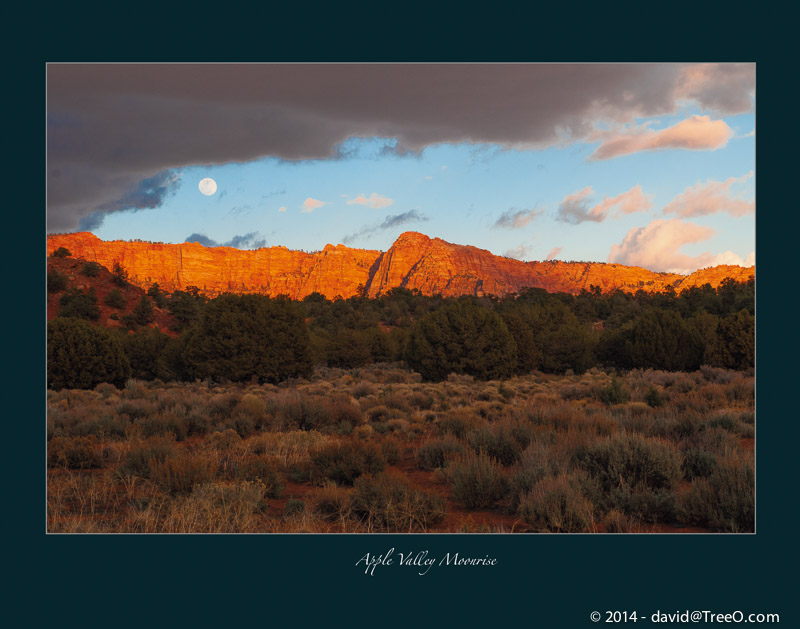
x: 462, y: 337
x: 158, y: 295
x: 145, y: 353
x: 736, y: 341
x: 120, y: 275
x: 567, y: 346
x: 81, y: 356
x: 248, y: 337
x: 185, y: 307
x: 348, y: 349
x: 661, y: 339
x: 76, y: 303
x: 115, y: 299
x: 56, y: 282
x: 707, y: 325
x: 144, y: 313
x: 528, y: 356
x: 91, y: 269
x: 61, y: 252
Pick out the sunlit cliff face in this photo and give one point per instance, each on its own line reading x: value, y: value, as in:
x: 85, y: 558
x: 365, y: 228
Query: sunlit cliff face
x: 414, y: 261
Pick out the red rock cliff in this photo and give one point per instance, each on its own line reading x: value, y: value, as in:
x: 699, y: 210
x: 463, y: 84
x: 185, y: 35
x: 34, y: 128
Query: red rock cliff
x: 414, y: 261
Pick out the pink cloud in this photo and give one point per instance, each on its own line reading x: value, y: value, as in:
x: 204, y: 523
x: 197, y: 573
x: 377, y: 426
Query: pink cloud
x: 712, y: 197
x: 695, y: 133
x: 375, y: 200
x: 553, y: 253
x: 309, y: 205
x: 574, y: 208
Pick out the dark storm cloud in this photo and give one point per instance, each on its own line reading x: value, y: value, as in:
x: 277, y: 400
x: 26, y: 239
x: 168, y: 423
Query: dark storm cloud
x: 245, y: 241
x: 111, y: 127
x: 147, y: 193
x: 388, y: 223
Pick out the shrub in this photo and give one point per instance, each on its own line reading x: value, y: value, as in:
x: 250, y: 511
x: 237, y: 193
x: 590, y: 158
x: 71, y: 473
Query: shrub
x: 61, y: 252
x: 618, y: 522
x: 343, y: 463
x: 265, y: 470
x: 437, y: 453
x: 725, y: 501
x: 294, y: 506
x: 362, y: 389
x: 538, y: 461
x: 496, y: 441
x: 74, y: 452
x: 614, y: 393
x: 456, y: 423
x: 342, y: 410
x: 653, y: 398
x: 138, y: 459
x: 81, y: 356
x: 164, y: 424
x: 288, y: 447
x: 391, y: 451
x: 180, y: 473
x: 224, y: 440
x: 477, y: 480
x: 215, y: 507
x: 332, y: 502
x: 389, y: 503
x: 56, y: 281
x: 556, y: 505
x: 293, y: 409
x: 698, y: 464
x: 91, y: 269
x: 626, y: 461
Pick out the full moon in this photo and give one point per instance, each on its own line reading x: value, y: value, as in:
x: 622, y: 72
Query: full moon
x: 207, y: 186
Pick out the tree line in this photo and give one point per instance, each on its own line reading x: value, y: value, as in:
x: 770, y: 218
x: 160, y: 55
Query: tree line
x: 255, y: 338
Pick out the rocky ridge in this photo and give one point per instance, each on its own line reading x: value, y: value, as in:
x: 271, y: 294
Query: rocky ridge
x: 414, y: 261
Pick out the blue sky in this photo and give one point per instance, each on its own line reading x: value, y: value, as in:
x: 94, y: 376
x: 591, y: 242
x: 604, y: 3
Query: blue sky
x: 671, y: 192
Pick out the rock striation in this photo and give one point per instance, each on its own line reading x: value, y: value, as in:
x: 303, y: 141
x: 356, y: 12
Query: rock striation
x: 414, y: 261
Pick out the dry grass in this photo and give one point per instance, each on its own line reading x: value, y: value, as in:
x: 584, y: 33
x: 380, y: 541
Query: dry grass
x: 536, y: 453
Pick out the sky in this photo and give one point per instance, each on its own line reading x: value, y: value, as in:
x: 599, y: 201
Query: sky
x: 651, y: 165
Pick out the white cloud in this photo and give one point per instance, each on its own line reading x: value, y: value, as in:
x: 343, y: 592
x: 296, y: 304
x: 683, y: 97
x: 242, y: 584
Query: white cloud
x: 712, y: 197
x: 309, y: 205
x: 657, y: 247
x: 728, y: 257
x: 375, y: 201
x: 520, y: 252
x: 282, y: 208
